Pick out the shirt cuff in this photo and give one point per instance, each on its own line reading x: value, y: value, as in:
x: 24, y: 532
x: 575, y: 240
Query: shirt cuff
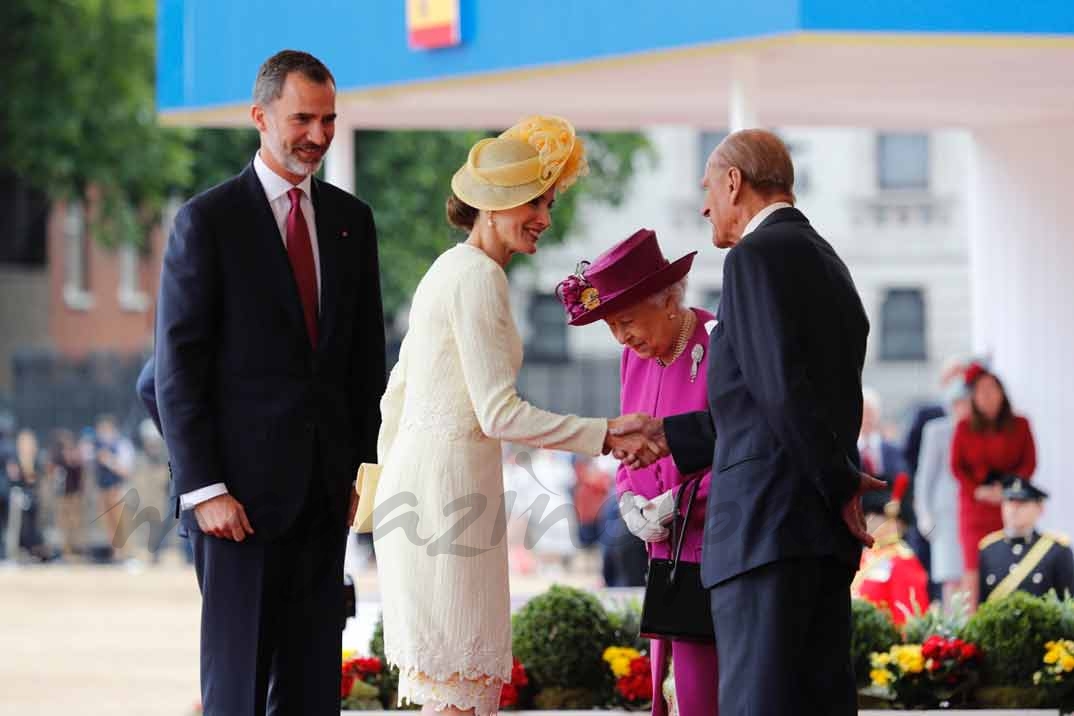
x: 190, y: 500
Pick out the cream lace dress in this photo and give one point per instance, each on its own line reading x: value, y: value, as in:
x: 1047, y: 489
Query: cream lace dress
x: 439, y: 519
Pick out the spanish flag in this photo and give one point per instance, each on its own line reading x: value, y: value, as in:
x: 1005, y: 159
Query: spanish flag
x: 432, y: 23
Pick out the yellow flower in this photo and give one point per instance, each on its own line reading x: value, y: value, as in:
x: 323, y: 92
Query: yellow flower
x: 349, y: 654
x: 880, y: 659
x: 908, y: 657
x: 881, y: 677
x: 619, y: 658
x: 1067, y: 663
x: 1053, y: 651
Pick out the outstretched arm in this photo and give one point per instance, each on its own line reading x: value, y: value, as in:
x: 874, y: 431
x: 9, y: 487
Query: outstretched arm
x: 481, y: 319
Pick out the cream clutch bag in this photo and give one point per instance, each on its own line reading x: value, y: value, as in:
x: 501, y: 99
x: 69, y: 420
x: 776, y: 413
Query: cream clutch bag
x: 366, y: 487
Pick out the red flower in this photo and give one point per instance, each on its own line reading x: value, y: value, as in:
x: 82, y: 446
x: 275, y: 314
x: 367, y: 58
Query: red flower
x: 518, y: 674
x: 969, y: 652
x: 369, y: 665
x: 346, y: 684
x: 635, y: 687
x: 508, y: 696
x: 640, y: 666
x: 933, y: 647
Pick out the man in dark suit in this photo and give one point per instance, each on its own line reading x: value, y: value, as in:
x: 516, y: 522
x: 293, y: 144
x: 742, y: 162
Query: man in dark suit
x: 784, y: 525
x: 269, y: 366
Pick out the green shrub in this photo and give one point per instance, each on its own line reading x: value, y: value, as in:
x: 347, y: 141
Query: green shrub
x: 938, y: 620
x: 1011, y: 633
x: 560, y: 699
x: 560, y: 637
x: 1065, y: 605
x: 390, y: 682
x: 872, y: 631
x: 625, y: 619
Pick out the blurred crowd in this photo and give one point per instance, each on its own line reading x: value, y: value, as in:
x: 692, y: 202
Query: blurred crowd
x: 961, y: 518
x: 69, y: 497
x: 85, y: 497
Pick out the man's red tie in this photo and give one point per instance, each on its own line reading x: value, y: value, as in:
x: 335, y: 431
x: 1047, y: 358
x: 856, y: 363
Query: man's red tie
x: 300, y: 252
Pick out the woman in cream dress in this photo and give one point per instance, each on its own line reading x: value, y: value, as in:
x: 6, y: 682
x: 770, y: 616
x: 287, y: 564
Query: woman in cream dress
x: 440, y: 516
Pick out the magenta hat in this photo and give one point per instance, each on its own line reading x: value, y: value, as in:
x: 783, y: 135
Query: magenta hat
x: 621, y: 276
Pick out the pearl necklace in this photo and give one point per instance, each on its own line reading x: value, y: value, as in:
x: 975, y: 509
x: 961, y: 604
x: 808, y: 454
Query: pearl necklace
x: 687, y: 329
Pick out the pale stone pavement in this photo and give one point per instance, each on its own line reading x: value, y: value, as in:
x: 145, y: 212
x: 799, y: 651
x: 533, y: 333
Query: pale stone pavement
x: 105, y: 641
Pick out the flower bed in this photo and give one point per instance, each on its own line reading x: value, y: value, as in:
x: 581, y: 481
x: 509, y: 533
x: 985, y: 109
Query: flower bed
x: 573, y: 654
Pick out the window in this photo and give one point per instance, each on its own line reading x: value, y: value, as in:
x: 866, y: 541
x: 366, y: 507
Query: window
x: 548, y: 338
x: 903, y: 325
x: 24, y: 214
x: 131, y: 296
x: 902, y: 161
x: 76, y: 258
x: 706, y: 142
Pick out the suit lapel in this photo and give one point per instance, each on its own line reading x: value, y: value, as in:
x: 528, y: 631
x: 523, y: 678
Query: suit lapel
x: 328, y: 238
x: 270, y: 245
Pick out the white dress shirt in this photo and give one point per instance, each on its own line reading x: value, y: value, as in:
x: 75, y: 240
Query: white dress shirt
x: 276, y: 188
x: 763, y: 214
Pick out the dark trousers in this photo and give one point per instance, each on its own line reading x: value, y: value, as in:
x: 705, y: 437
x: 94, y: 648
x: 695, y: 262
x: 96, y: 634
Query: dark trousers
x: 783, y: 636
x: 270, y: 617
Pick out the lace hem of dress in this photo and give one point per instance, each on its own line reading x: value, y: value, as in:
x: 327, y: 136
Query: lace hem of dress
x: 480, y: 693
x: 468, y: 663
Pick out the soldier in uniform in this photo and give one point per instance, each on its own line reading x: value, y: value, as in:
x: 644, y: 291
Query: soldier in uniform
x: 891, y: 576
x: 1021, y: 558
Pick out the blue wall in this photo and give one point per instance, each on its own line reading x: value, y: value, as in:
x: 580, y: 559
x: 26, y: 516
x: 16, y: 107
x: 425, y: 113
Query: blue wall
x: 1049, y: 17
x: 209, y: 50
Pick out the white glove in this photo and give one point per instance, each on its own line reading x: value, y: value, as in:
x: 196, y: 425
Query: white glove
x: 661, y: 509
x: 640, y: 527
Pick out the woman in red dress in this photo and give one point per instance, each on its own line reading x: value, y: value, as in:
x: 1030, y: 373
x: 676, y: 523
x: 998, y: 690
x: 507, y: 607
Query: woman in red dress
x: 988, y: 446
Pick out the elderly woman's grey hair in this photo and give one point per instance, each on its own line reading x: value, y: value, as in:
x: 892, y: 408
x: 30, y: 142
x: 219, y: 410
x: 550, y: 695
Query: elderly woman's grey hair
x: 676, y: 291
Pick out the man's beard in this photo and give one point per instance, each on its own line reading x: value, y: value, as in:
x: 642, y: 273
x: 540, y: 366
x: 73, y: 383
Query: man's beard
x: 295, y: 165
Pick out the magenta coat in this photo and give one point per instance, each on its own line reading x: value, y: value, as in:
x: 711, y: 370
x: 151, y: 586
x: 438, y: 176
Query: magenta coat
x: 660, y: 392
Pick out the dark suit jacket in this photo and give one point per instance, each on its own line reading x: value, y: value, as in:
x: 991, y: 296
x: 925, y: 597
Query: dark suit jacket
x: 146, y: 387
x: 785, y: 403
x: 243, y: 397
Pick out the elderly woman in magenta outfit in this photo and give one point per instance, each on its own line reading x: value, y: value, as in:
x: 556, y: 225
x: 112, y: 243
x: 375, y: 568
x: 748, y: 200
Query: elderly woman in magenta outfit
x: 639, y: 294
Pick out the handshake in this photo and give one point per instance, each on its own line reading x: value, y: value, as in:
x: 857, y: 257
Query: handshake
x: 636, y: 439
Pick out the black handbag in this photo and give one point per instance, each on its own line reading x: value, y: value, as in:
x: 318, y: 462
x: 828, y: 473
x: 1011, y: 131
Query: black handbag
x: 676, y: 606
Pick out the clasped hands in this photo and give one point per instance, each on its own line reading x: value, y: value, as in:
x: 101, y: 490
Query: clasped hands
x: 636, y: 439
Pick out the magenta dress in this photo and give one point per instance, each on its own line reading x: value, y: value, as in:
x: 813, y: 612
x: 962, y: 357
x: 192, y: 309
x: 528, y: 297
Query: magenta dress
x: 648, y: 388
